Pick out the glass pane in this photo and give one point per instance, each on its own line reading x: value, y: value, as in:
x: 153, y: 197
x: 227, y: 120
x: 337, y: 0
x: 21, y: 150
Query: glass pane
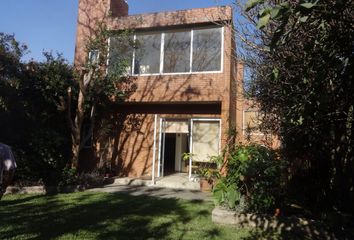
x: 121, y: 53
x: 205, y: 140
x: 94, y: 56
x: 177, y: 52
x: 207, y: 50
x: 147, y: 54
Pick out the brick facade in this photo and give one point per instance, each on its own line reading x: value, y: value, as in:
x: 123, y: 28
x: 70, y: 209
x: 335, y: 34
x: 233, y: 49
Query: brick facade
x: 177, y: 96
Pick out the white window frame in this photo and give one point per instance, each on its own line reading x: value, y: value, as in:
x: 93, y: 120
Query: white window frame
x: 192, y: 120
x: 162, y: 34
x: 222, y: 51
x: 96, y: 59
x: 190, y: 53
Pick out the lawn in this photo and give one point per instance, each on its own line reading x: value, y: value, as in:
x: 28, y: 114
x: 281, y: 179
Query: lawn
x: 110, y: 216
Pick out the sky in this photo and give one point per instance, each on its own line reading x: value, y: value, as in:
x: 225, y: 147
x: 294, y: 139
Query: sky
x: 50, y: 25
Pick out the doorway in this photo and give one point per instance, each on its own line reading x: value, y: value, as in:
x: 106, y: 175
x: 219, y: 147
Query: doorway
x: 173, y: 144
x: 201, y: 137
x: 169, y: 153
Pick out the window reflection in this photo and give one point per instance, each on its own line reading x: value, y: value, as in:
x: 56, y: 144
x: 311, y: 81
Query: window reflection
x: 146, y: 58
x: 177, y: 52
x: 207, y: 50
x: 147, y: 54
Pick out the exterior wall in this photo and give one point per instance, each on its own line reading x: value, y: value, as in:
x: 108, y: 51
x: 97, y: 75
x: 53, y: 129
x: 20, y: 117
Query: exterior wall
x: 135, y: 147
x: 175, y: 89
x: 196, y: 16
x: 132, y: 146
x: 244, y: 104
x: 90, y: 14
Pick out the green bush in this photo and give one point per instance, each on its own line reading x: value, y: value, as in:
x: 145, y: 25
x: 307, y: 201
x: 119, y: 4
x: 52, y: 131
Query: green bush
x: 70, y: 177
x: 253, y: 181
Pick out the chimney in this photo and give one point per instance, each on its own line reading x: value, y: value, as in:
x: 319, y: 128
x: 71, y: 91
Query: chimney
x: 90, y: 14
x: 119, y: 8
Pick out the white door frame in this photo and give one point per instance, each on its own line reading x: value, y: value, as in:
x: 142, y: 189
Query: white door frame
x: 161, y: 147
x: 159, y: 151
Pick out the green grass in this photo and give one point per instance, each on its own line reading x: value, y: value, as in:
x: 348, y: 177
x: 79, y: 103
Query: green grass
x: 110, y: 216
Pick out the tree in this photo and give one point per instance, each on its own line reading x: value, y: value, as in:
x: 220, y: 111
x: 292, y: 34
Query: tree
x: 98, y: 85
x: 304, y: 85
x: 30, y: 117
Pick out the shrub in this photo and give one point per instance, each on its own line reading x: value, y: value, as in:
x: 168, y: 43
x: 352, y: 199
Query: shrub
x: 70, y: 177
x: 253, y: 181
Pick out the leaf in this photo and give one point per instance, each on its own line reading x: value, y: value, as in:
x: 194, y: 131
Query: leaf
x: 308, y: 5
x: 263, y: 21
x: 252, y: 3
x: 276, y: 73
x: 285, y: 4
x: 275, y: 11
x: 218, y: 197
x: 304, y: 18
x: 233, y: 196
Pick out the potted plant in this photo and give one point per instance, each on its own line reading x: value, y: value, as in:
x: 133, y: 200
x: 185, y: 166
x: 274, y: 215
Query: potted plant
x: 209, y: 172
x: 208, y: 176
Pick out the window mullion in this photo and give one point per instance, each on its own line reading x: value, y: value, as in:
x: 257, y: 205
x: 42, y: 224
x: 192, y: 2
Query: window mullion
x: 133, y: 63
x: 191, y: 53
x: 108, y: 54
x: 162, y: 52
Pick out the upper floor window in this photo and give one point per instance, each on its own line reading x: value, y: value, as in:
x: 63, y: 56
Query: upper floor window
x: 207, y: 50
x: 147, y: 54
x: 178, y: 51
x: 93, y: 57
x: 120, y: 54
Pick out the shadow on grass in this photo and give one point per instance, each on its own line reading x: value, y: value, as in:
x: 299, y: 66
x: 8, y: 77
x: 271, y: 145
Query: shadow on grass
x: 100, y: 216
x: 267, y: 227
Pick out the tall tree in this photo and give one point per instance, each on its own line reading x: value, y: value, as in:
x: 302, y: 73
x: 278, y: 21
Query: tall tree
x: 30, y: 95
x: 98, y: 85
x: 304, y: 85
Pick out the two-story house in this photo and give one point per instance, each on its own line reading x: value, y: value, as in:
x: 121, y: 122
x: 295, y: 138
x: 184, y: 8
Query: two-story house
x: 189, y: 86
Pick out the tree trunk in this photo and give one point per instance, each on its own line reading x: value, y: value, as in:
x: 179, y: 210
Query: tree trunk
x: 75, y: 148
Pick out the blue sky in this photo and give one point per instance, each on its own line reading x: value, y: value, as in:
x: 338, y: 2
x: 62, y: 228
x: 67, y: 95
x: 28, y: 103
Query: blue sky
x: 50, y: 25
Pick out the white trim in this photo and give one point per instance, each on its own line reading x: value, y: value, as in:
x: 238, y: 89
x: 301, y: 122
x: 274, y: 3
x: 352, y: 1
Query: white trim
x: 154, y: 153
x: 133, y: 59
x: 190, y: 150
x: 163, y: 146
x: 191, y: 53
x: 159, y: 152
x: 108, y: 52
x: 178, y: 73
x: 162, y: 50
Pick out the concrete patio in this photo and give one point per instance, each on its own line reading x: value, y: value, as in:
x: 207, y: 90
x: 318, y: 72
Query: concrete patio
x: 172, y: 186
x: 174, y: 181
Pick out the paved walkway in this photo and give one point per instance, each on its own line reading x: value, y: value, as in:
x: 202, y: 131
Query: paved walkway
x: 155, y: 192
